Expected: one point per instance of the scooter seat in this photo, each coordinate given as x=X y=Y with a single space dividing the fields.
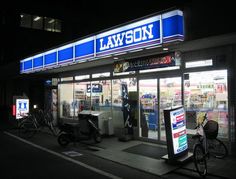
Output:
x=72 y=124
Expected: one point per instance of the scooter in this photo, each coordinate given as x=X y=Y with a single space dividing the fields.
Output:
x=75 y=132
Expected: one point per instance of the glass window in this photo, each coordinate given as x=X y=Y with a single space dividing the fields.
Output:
x=170 y=96
x=66 y=102
x=57 y=25
x=82 y=96
x=121 y=107
x=67 y=79
x=148 y=108
x=99 y=75
x=123 y=73
x=25 y=20
x=82 y=77
x=37 y=22
x=207 y=92
x=101 y=95
x=49 y=24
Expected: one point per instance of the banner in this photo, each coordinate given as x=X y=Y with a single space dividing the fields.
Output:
x=150 y=62
x=126 y=109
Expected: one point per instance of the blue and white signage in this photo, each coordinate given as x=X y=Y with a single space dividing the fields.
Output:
x=139 y=34
x=22 y=107
x=152 y=31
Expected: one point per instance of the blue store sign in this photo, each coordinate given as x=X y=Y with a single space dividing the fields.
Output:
x=152 y=31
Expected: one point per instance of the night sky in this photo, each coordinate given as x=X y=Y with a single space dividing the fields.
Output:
x=92 y=16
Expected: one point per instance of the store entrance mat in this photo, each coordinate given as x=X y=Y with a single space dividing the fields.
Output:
x=155 y=152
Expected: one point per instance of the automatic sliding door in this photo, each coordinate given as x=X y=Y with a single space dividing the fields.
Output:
x=170 y=96
x=148 y=108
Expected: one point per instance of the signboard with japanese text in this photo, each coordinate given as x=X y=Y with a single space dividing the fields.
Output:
x=178 y=127
x=176 y=135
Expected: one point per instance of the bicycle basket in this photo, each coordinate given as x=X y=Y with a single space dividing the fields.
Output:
x=211 y=129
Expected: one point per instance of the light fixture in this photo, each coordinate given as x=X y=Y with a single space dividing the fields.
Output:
x=51 y=21
x=21 y=15
x=137 y=50
x=156 y=46
x=115 y=58
x=165 y=49
x=122 y=53
x=37 y=18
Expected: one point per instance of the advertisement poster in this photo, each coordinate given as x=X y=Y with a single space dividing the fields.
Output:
x=22 y=108
x=178 y=127
x=166 y=60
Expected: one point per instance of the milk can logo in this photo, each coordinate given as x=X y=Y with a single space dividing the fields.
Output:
x=127 y=37
x=22 y=107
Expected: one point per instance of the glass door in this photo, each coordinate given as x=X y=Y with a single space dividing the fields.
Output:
x=154 y=96
x=170 y=96
x=148 y=108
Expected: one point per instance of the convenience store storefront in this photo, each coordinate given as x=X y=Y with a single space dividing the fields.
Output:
x=133 y=72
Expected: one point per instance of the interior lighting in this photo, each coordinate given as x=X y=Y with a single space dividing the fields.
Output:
x=37 y=18
x=51 y=21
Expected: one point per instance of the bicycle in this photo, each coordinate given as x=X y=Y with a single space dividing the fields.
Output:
x=36 y=121
x=28 y=126
x=207 y=144
x=49 y=122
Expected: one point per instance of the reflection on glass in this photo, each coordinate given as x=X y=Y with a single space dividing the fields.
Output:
x=49 y=24
x=148 y=108
x=82 y=97
x=206 y=92
x=37 y=22
x=66 y=100
x=25 y=20
x=170 y=96
x=101 y=95
x=57 y=25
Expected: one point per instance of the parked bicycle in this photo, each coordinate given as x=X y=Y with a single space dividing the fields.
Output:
x=207 y=144
x=35 y=121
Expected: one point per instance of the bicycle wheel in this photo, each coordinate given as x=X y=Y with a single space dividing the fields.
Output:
x=217 y=148
x=27 y=129
x=200 y=160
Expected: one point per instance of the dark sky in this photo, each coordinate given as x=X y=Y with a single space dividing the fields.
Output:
x=95 y=15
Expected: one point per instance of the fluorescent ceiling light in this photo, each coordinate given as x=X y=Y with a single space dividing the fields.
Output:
x=165 y=49
x=37 y=18
x=136 y=50
x=156 y=46
x=51 y=21
x=122 y=53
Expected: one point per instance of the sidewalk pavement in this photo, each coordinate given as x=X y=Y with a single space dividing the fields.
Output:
x=112 y=149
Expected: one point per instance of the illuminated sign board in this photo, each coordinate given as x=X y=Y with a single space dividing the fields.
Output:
x=143 y=63
x=22 y=107
x=152 y=31
x=176 y=135
x=178 y=128
x=143 y=33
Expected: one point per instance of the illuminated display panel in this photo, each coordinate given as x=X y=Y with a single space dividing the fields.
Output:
x=152 y=31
